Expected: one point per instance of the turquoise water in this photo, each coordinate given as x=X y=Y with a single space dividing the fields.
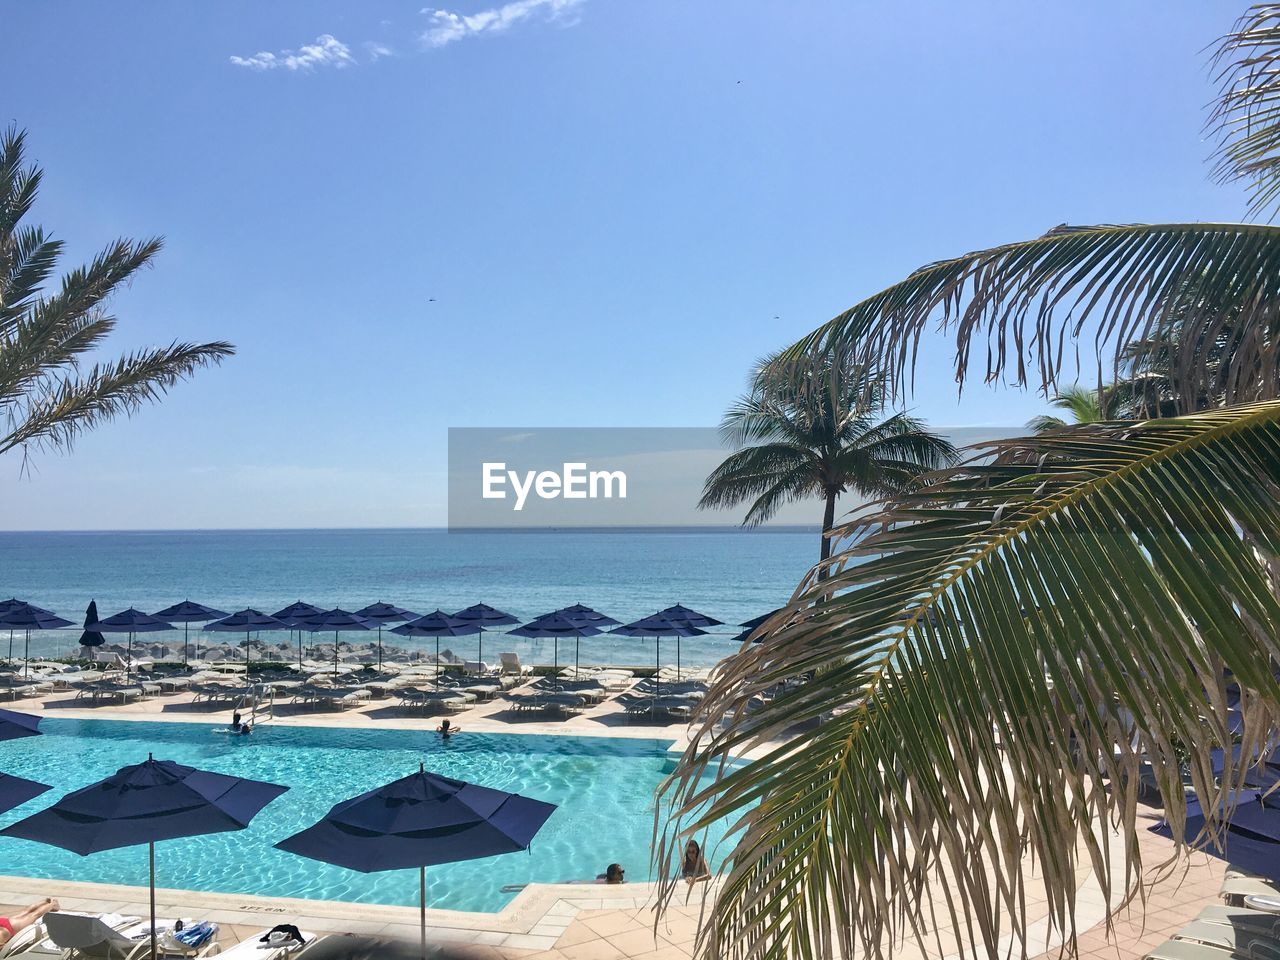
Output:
x=728 y=573
x=603 y=788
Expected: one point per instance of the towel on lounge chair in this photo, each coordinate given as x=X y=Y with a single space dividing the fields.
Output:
x=196 y=935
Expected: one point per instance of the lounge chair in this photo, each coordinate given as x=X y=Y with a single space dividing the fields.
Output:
x=1190 y=950
x=34 y=940
x=78 y=935
x=1237 y=939
x=1236 y=886
x=1267 y=923
x=255 y=947
x=511 y=665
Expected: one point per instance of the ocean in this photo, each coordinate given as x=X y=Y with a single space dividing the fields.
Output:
x=727 y=573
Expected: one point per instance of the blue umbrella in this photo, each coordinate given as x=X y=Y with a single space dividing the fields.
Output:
x=385 y=613
x=437 y=624
x=28 y=617
x=580 y=613
x=556 y=625
x=336 y=620
x=186 y=613
x=1251 y=840
x=749 y=626
x=486 y=618
x=690 y=618
x=293 y=615
x=91 y=638
x=658 y=626
x=14 y=791
x=14 y=725
x=131 y=621
x=247 y=620
x=419 y=821
x=146 y=803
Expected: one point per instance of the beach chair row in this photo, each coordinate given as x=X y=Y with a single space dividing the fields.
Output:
x=1246 y=926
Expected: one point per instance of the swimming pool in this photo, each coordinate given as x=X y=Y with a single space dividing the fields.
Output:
x=603 y=788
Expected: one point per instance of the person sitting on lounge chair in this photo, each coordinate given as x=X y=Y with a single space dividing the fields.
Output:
x=447 y=729
x=694 y=866
x=19 y=920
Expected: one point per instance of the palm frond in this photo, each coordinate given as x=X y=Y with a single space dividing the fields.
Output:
x=1022 y=305
x=979 y=679
x=78 y=403
x=1246 y=117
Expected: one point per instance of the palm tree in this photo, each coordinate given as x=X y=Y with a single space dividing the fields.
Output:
x=46 y=399
x=1084 y=406
x=1024 y=632
x=814 y=430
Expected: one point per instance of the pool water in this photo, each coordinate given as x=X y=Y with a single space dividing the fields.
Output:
x=603 y=788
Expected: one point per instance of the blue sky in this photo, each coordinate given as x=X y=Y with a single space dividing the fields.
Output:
x=615 y=207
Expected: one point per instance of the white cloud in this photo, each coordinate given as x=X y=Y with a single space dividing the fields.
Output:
x=327 y=51
x=445 y=26
x=376 y=51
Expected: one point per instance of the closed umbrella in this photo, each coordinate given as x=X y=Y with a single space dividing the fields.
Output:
x=337 y=620
x=186 y=613
x=131 y=621
x=385 y=613
x=91 y=638
x=28 y=617
x=556 y=625
x=417 y=822
x=486 y=618
x=146 y=803
x=437 y=624
x=293 y=615
x=248 y=620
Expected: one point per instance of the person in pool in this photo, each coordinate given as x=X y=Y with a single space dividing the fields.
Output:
x=613 y=874
x=237 y=727
x=18 y=921
x=447 y=729
x=694 y=866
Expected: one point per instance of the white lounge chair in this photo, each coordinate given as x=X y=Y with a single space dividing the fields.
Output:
x=511 y=664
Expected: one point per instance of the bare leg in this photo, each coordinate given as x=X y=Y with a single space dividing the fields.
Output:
x=28 y=916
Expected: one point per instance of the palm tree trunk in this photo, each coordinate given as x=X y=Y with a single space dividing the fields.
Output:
x=828 y=521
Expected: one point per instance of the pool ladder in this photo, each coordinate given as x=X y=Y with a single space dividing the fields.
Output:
x=254 y=699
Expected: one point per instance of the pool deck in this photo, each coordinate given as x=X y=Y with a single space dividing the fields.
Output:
x=568 y=921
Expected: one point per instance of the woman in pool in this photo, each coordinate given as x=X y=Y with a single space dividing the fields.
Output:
x=694 y=866
x=447 y=729
x=613 y=874
x=18 y=921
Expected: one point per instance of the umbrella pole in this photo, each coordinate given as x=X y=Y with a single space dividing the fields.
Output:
x=678 y=675
x=437 y=660
x=299 y=650
x=186 y=641
x=657 y=675
x=335 y=654
x=577 y=645
x=422 y=907
x=128 y=659
x=480 y=650
x=26 y=655
x=379 y=648
x=151 y=875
